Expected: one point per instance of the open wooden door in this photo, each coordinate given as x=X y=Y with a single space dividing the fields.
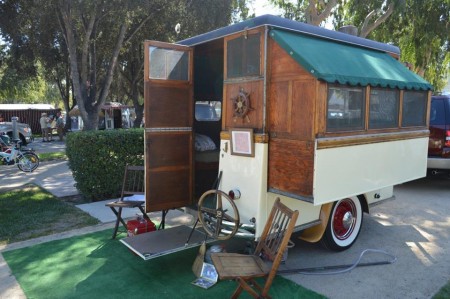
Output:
x=168 y=95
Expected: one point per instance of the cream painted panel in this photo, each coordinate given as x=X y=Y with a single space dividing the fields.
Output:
x=352 y=170
x=249 y=175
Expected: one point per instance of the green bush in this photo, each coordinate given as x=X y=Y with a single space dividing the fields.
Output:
x=98 y=158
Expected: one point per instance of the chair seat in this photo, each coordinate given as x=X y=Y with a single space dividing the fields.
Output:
x=272 y=245
x=232 y=265
x=125 y=204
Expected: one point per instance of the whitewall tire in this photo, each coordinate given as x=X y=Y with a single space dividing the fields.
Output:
x=344 y=224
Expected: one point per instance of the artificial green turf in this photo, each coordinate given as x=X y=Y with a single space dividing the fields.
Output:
x=95 y=266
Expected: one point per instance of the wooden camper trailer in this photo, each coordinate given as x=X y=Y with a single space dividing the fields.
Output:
x=326 y=121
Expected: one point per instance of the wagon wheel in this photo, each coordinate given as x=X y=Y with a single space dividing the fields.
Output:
x=241 y=104
x=214 y=219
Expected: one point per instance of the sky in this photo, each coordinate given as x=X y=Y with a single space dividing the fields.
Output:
x=262 y=7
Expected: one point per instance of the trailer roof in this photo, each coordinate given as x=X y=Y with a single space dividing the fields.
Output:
x=290 y=25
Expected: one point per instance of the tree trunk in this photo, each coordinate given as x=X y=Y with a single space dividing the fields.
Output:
x=92 y=123
x=313 y=16
x=368 y=27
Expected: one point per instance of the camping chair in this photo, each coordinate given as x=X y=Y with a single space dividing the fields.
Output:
x=271 y=247
x=133 y=184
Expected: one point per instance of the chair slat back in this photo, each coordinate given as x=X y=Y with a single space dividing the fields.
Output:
x=133 y=180
x=277 y=231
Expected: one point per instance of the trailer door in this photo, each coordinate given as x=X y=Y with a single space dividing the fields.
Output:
x=168 y=96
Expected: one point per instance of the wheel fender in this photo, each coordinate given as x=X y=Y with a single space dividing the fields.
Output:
x=315 y=233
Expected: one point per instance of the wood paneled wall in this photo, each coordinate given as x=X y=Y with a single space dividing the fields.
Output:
x=254 y=118
x=292 y=103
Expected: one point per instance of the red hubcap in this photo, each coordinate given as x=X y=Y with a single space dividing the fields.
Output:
x=344 y=219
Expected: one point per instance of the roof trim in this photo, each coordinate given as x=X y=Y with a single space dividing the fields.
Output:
x=286 y=24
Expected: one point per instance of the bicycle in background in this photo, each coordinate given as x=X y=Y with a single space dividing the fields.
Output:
x=26 y=160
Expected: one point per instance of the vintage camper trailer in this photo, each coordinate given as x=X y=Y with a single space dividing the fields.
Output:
x=267 y=108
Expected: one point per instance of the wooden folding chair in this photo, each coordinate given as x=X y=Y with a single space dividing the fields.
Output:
x=271 y=246
x=133 y=184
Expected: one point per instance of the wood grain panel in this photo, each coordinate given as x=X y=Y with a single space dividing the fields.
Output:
x=177 y=97
x=255 y=116
x=321 y=108
x=168 y=190
x=291 y=166
x=280 y=106
x=330 y=142
x=257 y=138
x=282 y=64
x=168 y=149
x=168 y=170
x=303 y=100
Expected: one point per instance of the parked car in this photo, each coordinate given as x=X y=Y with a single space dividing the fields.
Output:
x=439 y=142
x=25 y=132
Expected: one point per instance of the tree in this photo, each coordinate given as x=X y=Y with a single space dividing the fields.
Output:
x=313 y=12
x=193 y=17
x=367 y=15
x=80 y=41
x=420 y=28
x=33 y=39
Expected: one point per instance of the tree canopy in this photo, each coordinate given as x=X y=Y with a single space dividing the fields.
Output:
x=420 y=28
x=80 y=42
x=89 y=52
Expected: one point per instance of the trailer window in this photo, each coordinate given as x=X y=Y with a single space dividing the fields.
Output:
x=383 y=111
x=345 y=108
x=243 y=56
x=414 y=108
x=169 y=64
x=208 y=110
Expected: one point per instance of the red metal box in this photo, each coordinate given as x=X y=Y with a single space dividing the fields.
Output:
x=140 y=226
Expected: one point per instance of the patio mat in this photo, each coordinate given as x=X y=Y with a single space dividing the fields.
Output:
x=95 y=266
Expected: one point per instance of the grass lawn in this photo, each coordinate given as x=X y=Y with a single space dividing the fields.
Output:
x=32 y=212
x=444 y=292
x=52 y=156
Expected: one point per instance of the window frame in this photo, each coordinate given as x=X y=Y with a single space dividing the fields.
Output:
x=167 y=77
x=369 y=105
x=366 y=129
x=425 y=109
x=362 y=126
x=261 y=54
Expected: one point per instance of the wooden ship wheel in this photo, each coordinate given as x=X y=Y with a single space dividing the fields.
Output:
x=241 y=105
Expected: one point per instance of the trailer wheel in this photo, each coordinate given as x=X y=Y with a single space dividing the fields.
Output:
x=343 y=225
x=218 y=222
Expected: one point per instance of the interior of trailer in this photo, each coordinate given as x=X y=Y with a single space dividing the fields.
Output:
x=208 y=86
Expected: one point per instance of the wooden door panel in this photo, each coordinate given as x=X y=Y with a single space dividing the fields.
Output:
x=169 y=149
x=169 y=172
x=168 y=190
x=168 y=96
x=172 y=106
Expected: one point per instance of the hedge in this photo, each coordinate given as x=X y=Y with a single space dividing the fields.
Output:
x=98 y=158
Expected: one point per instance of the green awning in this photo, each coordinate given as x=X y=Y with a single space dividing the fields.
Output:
x=336 y=62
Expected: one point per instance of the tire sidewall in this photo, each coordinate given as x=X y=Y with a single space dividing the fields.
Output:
x=331 y=241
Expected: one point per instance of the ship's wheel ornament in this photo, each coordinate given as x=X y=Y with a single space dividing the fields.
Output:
x=241 y=105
